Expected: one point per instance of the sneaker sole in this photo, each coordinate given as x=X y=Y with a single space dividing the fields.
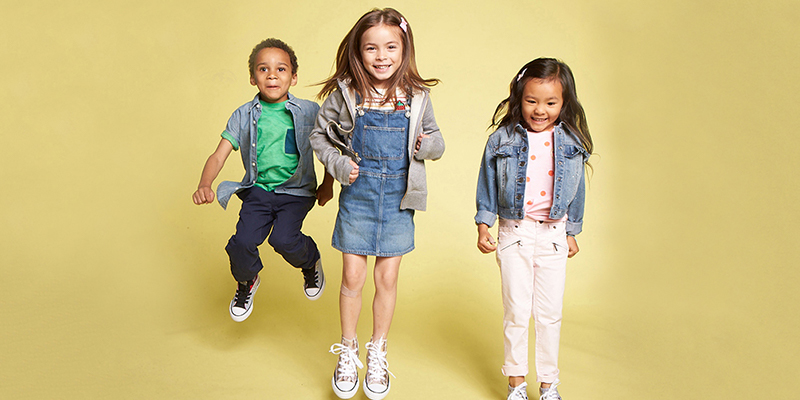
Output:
x=342 y=394
x=240 y=318
x=375 y=395
x=322 y=289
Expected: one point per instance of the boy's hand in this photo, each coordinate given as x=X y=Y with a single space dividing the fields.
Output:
x=572 y=245
x=353 y=172
x=325 y=190
x=214 y=164
x=419 y=142
x=203 y=195
x=486 y=243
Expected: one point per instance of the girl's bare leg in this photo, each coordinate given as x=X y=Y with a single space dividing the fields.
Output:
x=354 y=273
x=386 y=270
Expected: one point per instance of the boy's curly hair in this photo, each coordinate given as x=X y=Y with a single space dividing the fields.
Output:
x=271 y=43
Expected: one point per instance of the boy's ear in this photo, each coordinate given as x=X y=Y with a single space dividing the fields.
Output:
x=294 y=80
x=253 y=81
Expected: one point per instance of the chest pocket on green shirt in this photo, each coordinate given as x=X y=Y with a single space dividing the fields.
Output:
x=290 y=147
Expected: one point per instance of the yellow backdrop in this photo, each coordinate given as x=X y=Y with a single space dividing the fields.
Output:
x=114 y=285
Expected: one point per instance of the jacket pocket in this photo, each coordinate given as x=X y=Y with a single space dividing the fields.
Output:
x=571 y=151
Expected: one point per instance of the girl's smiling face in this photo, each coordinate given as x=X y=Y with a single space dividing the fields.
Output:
x=381 y=53
x=541 y=103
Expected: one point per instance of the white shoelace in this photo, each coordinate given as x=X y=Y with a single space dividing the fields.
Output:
x=348 y=361
x=377 y=366
x=551 y=393
x=519 y=392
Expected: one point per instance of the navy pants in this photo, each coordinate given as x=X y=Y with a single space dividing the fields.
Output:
x=279 y=216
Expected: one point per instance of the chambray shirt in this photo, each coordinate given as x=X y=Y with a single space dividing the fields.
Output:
x=501 y=181
x=243 y=126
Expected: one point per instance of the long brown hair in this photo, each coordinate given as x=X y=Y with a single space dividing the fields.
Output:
x=349 y=65
x=509 y=111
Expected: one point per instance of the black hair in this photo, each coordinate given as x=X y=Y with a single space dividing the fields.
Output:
x=271 y=43
x=509 y=111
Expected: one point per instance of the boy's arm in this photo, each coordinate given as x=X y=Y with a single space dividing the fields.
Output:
x=204 y=194
x=325 y=189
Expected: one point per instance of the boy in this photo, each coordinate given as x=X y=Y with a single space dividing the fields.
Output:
x=279 y=184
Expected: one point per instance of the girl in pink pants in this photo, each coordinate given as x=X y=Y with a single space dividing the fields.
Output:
x=532 y=177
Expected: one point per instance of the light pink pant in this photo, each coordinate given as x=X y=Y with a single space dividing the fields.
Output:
x=533 y=266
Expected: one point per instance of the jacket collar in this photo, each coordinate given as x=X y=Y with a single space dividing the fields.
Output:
x=256 y=101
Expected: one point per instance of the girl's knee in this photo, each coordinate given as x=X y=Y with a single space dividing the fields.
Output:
x=353 y=278
x=385 y=280
x=549 y=318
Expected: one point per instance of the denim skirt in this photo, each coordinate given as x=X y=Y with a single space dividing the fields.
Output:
x=370 y=221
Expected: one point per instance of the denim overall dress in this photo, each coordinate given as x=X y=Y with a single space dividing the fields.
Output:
x=370 y=221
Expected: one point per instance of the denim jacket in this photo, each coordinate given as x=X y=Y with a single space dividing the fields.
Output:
x=332 y=141
x=243 y=125
x=501 y=182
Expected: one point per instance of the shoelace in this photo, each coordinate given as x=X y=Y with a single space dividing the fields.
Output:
x=311 y=278
x=519 y=392
x=243 y=294
x=377 y=366
x=347 y=357
x=551 y=393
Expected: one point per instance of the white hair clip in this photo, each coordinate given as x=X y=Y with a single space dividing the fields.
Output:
x=521 y=74
x=403 y=25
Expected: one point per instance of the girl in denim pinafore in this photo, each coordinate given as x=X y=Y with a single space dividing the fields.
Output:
x=370 y=221
x=375 y=145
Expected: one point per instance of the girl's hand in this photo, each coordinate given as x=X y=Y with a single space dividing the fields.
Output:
x=573 y=246
x=486 y=243
x=203 y=195
x=419 y=142
x=353 y=172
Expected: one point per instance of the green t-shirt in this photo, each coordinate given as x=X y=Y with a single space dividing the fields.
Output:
x=276 y=146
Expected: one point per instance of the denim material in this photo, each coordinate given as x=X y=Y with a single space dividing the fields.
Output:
x=243 y=127
x=501 y=181
x=370 y=219
x=332 y=140
x=279 y=216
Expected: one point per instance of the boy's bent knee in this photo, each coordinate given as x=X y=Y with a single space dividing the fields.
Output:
x=285 y=243
x=236 y=245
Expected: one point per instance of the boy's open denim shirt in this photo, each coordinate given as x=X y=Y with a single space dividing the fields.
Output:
x=243 y=127
x=501 y=181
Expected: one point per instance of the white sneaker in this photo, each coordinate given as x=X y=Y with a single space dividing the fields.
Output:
x=345 y=376
x=518 y=393
x=376 y=381
x=550 y=393
x=242 y=303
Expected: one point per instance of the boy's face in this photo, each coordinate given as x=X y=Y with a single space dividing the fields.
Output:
x=273 y=75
